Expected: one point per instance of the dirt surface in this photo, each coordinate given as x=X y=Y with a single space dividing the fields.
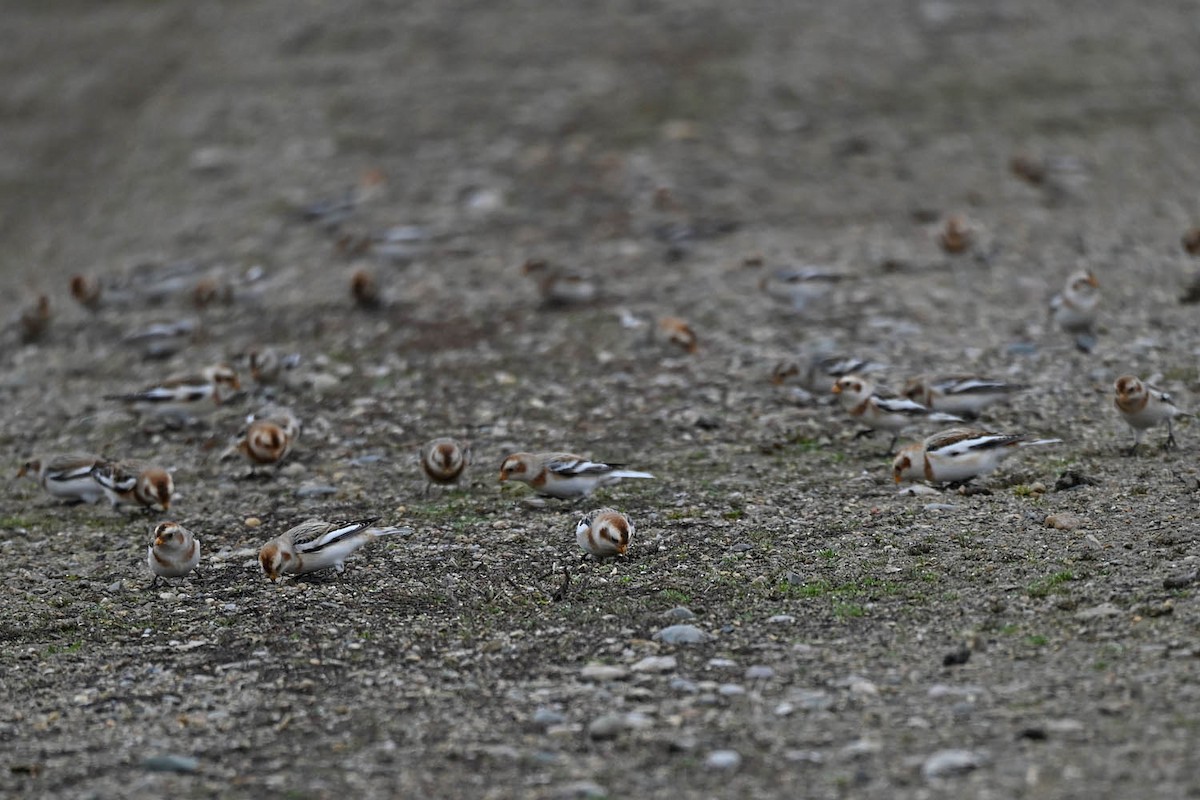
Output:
x=677 y=154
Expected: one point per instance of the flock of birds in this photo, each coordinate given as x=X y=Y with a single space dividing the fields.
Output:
x=953 y=457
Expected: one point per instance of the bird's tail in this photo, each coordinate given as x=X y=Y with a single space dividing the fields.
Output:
x=628 y=473
x=1033 y=442
x=938 y=416
x=388 y=531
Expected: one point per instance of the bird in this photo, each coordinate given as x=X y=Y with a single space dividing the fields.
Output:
x=316 y=544
x=173 y=553
x=268 y=438
x=604 y=532
x=184 y=395
x=134 y=483
x=444 y=460
x=561 y=287
x=962 y=395
x=797 y=287
x=67 y=475
x=676 y=331
x=1143 y=407
x=882 y=411
x=1074 y=308
x=957 y=455
x=813 y=372
x=563 y=475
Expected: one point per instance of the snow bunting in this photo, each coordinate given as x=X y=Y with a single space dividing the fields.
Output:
x=677 y=332
x=444 y=460
x=963 y=395
x=184 y=395
x=364 y=291
x=1074 y=309
x=34 y=319
x=956 y=234
x=269 y=437
x=816 y=373
x=134 y=483
x=316 y=544
x=881 y=411
x=959 y=454
x=1143 y=407
x=173 y=553
x=563 y=475
x=560 y=287
x=266 y=364
x=799 y=286
x=68 y=475
x=604 y=532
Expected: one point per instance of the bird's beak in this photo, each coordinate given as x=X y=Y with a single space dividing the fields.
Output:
x=1091 y=279
x=503 y=476
x=837 y=388
x=22 y=472
x=166 y=504
x=896 y=476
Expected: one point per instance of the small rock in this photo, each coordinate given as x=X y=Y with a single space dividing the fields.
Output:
x=546 y=717
x=252 y=522
x=292 y=470
x=655 y=664
x=170 y=763
x=759 y=673
x=679 y=612
x=781 y=619
x=945 y=763
x=941 y=507
x=1096 y=612
x=682 y=634
x=918 y=490
x=721 y=663
x=1062 y=522
x=723 y=759
x=310 y=490
x=1071 y=479
x=784 y=709
x=684 y=685
x=1022 y=349
x=1182 y=580
x=741 y=547
x=956 y=657
x=602 y=672
x=582 y=789
x=731 y=690
x=607 y=726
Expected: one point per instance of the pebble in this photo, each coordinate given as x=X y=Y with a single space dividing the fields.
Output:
x=721 y=663
x=941 y=507
x=546 y=717
x=759 y=673
x=682 y=634
x=603 y=672
x=679 y=612
x=1181 y=580
x=310 y=490
x=1096 y=612
x=741 y=547
x=781 y=619
x=655 y=664
x=731 y=690
x=945 y=763
x=170 y=763
x=1062 y=522
x=252 y=522
x=607 y=726
x=723 y=759
x=684 y=685
x=582 y=789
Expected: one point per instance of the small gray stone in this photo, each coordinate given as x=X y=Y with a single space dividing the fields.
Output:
x=607 y=726
x=684 y=685
x=655 y=664
x=682 y=634
x=731 y=690
x=545 y=717
x=1096 y=612
x=781 y=619
x=170 y=763
x=581 y=789
x=311 y=490
x=721 y=663
x=723 y=759
x=945 y=763
x=741 y=547
x=679 y=612
x=759 y=672
x=603 y=672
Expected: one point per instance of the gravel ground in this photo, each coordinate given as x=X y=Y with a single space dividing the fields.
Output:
x=1036 y=641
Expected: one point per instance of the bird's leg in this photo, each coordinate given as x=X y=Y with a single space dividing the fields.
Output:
x=864 y=433
x=154 y=583
x=561 y=592
x=1170 y=436
x=891 y=449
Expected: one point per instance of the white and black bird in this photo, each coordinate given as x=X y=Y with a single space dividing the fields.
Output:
x=316 y=544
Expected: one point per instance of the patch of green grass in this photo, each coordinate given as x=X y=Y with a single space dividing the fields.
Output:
x=828 y=554
x=1009 y=629
x=805 y=445
x=1049 y=584
x=848 y=610
x=733 y=514
x=55 y=649
x=1036 y=640
x=675 y=596
x=15 y=522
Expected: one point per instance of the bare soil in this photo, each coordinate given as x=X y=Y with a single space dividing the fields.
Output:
x=677 y=153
